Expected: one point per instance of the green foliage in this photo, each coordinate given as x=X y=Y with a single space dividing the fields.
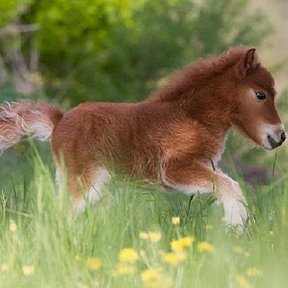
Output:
x=72 y=29
x=117 y=50
x=11 y=9
x=73 y=32
x=224 y=23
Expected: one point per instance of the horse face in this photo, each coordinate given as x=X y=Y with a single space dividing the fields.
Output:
x=255 y=112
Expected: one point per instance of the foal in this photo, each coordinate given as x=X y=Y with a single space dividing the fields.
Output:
x=176 y=137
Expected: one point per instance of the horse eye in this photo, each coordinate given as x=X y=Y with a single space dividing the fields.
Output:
x=260 y=95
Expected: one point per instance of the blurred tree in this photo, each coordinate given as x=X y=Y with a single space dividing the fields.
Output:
x=73 y=32
x=18 y=52
x=73 y=29
x=164 y=36
x=11 y=9
x=221 y=24
x=117 y=50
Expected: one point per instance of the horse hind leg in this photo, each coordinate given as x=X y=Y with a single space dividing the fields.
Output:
x=98 y=179
x=84 y=189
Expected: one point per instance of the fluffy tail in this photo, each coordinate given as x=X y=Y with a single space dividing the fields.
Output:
x=24 y=119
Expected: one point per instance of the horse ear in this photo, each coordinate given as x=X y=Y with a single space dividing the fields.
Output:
x=250 y=62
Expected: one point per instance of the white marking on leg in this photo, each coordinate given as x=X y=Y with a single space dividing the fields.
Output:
x=184 y=188
x=230 y=194
x=187 y=188
x=96 y=190
x=227 y=191
x=58 y=177
x=79 y=205
x=234 y=211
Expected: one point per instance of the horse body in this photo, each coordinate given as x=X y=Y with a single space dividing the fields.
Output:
x=175 y=137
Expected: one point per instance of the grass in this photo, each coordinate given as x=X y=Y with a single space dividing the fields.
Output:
x=40 y=247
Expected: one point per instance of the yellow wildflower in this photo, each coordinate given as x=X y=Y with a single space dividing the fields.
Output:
x=181 y=243
x=128 y=255
x=124 y=269
x=209 y=227
x=4 y=267
x=151 y=236
x=142 y=253
x=12 y=226
x=154 y=237
x=153 y=278
x=175 y=220
x=94 y=263
x=205 y=247
x=143 y=235
x=81 y=285
x=237 y=249
x=254 y=271
x=28 y=270
x=174 y=258
x=242 y=282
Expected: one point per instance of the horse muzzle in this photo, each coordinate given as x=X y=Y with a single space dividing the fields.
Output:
x=275 y=139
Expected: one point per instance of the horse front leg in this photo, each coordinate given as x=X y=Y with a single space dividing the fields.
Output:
x=198 y=178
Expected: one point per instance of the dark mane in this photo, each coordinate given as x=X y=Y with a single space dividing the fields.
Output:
x=198 y=74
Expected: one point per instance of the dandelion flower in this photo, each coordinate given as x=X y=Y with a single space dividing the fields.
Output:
x=128 y=255
x=151 y=275
x=28 y=270
x=12 y=226
x=254 y=272
x=237 y=249
x=151 y=236
x=4 y=267
x=153 y=278
x=142 y=253
x=124 y=269
x=174 y=258
x=94 y=263
x=209 y=227
x=143 y=235
x=242 y=282
x=205 y=247
x=175 y=220
x=154 y=237
x=181 y=243
x=81 y=285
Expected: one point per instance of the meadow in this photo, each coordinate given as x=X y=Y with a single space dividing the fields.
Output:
x=135 y=236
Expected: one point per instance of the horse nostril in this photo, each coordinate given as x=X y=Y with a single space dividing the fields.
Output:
x=283 y=137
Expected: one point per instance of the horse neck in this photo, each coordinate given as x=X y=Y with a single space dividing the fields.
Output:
x=209 y=106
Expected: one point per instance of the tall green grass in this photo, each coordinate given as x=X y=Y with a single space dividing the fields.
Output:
x=41 y=246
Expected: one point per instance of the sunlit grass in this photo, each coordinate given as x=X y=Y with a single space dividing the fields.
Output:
x=138 y=238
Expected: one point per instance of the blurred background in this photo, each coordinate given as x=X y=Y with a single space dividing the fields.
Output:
x=71 y=51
